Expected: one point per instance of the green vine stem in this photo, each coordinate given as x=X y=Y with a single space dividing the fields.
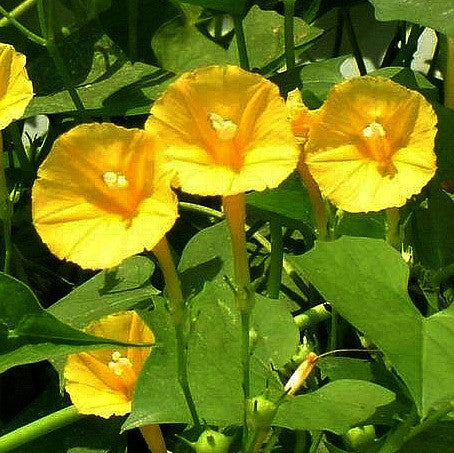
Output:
x=276 y=259
x=289 y=11
x=179 y=317
x=287 y=267
x=241 y=42
x=24 y=30
x=39 y=428
x=312 y=316
x=449 y=74
x=46 y=21
x=353 y=41
x=235 y=213
x=17 y=11
x=5 y=215
x=392 y=228
x=133 y=14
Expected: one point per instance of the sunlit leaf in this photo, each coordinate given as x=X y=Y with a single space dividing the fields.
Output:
x=369 y=289
x=436 y=14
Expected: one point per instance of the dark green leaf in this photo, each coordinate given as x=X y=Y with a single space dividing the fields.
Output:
x=229 y=6
x=214 y=342
x=411 y=79
x=369 y=289
x=317 y=79
x=289 y=203
x=33 y=333
x=179 y=45
x=436 y=14
x=109 y=291
x=336 y=407
x=431 y=226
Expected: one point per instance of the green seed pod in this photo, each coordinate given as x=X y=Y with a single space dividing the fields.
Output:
x=260 y=412
x=211 y=441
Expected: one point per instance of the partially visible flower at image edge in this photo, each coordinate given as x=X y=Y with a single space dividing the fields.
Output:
x=102 y=382
x=301 y=118
x=102 y=195
x=372 y=146
x=16 y=89
x=226 y=131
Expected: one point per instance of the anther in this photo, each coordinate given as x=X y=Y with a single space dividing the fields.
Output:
x=115 y=179
x=374 y=129
x=226 y=129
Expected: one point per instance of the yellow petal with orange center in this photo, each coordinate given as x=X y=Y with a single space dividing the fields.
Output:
x=226 y=131
x=102 y=382
x=103 y=195
x=16 y=89
x=372 y=146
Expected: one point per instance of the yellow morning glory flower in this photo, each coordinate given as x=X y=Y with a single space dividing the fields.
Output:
x=102 y=195
x=102 y=382
x=372 y=146
x=226 y=131
x=16 y=89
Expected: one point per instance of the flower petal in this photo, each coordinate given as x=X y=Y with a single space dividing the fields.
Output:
x=16 y=89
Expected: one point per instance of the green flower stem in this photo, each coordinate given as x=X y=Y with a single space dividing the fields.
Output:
x=179 y=317
x=353 y=41
x=288 y=268
x=312 y=317
x=392 y=228
x=277 y=255
x=241 y=42
x=24 y=30
x=317 y=202
x=218 y=25
x=5 y=215
x=289 y=11
x=17 y=11
x=133 y=13
x=316 y=439
x=334 y=330
x=154 y=438
x=46 y=20
x=39 y=428
x=235 y=213
x=395 y=439
x=201 y=209
x=339 y=34
x=15 y=135
x=431 y=420
x=449 y=74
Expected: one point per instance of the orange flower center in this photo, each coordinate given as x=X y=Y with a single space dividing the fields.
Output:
x=120 y=195
x=122 y=368
x=375 y=145
x=225 y=149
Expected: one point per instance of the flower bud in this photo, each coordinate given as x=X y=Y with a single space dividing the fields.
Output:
x=260 y=412
x=211 y=441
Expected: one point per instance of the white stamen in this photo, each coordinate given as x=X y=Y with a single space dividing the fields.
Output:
x=373 y=130
x=119 y=364
x=226 y=129
x=115 y=179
